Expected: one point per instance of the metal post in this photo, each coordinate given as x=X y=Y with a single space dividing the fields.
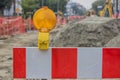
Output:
x=14 y=8
x=114 y=4
x=117 y=10
x=42 y=2
x=58 y=6
x=49 y=3
x=39 y=3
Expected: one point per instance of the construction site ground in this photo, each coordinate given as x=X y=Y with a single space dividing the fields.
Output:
x=90 y=32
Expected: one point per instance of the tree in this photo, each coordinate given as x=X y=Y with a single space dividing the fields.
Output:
x=63 y=5
x=77 y=8
x=32 y=5
x=53 y=4
x=96 y=4
x=5 y=4
x=29 y=5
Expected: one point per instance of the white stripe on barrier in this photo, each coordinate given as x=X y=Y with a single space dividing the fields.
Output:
x=90 y=63
x=38 y=63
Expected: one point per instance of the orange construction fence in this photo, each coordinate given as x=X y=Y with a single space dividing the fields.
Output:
x=118 y=16
x=11 y=26
x=75 y=17
x=29 y=24
x=61 y=20
x=14 y=25
x=64 y=20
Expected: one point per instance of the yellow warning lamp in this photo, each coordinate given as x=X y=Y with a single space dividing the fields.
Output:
x=44 y=20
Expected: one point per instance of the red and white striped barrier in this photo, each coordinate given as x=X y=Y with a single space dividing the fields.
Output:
x=68 y=63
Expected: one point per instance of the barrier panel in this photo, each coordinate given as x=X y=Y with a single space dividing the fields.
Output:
x=66 y=63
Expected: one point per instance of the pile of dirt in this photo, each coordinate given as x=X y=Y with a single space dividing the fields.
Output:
x=90 y=32
x=115 y=42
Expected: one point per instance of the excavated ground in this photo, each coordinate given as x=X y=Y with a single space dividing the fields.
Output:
x=90 y=32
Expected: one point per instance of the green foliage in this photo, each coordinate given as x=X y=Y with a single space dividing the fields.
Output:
x=31 y=5
x=53 y=4
x=63 y=5
x=5 y=4
x=78 y=9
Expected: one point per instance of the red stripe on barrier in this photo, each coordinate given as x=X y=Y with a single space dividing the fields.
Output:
x=64 y=63
x=19 y=63
x=111 y=63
